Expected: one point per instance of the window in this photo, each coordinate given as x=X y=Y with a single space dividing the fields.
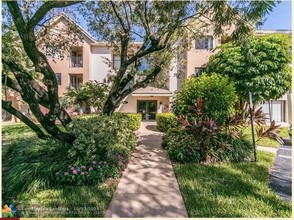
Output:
x=76 y=59
x=204 y=43
x=58 y=78
x=116 y=62
x=198 y=71
x=53 y=52
x=75 y=80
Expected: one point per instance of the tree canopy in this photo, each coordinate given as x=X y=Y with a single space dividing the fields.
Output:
x=160 y=26
x=163 y=29
x=260 y=65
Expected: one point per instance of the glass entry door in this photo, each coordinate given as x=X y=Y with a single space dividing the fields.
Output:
x=147 y=108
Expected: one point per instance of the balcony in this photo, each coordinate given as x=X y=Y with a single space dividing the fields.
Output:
x=76 y=61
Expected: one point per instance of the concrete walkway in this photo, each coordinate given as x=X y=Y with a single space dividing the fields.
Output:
x=280 y=178
x=281 y=173
x=148 y=187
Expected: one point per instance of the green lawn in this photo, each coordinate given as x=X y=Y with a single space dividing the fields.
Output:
x=230 y=190
x=27 y=168
x=267 y=142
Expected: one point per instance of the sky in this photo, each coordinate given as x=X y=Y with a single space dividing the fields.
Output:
x=280 y=17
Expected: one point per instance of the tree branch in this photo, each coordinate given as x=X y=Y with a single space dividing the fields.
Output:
x=143 y=83
x=118 y=17
x=41 y=94
x=8 y=107
x=11 y=83
x=45 y=8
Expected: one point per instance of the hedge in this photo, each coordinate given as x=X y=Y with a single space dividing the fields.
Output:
x=166 y=121
x=134 y=119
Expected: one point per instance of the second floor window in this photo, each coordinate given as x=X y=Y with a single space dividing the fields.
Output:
x=58 y=78
x=76 y=59
x=204 y=43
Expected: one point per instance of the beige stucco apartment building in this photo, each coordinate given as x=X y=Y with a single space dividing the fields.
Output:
x=86 y=61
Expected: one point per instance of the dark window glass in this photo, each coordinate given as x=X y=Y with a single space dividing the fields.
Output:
x=204 y=43
x=58 y=78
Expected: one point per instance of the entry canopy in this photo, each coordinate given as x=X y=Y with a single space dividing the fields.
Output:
x=151 y=91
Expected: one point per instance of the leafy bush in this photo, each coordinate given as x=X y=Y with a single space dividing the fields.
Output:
x=99 y=135
x=166 y=121
x=90 y=94
x=134 y=119
x=200 y=139
x=216 y=92
x=181 y=146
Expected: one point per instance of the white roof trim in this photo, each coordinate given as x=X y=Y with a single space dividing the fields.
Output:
x=151 y=95
x=63 y=15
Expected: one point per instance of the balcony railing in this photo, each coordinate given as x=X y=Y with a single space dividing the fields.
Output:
x=76 y=62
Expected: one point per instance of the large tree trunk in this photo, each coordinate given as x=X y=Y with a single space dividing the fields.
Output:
x=31 y=93
x=109 y=107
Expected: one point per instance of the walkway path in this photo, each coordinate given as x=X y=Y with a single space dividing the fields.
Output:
x=281 y=174
x=148 y=187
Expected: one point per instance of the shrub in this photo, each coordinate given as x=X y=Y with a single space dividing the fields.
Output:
x=166 y=121
x=181 y=146
x=202 y=140
x=134 y=119
x=216 y=92
x=98 y=135
x=240 y=149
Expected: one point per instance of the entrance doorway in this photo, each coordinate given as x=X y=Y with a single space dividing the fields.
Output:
x=147 y=108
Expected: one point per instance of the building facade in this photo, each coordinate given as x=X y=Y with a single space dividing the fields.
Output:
x=87 y=61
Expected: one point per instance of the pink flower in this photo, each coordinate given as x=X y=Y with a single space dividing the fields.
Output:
x=90 y=168
x=72 y=168
x=83 y=167
x=120 y=163
x=75 y=172
x=93 y=162
x=82 y=173
x=65 y=173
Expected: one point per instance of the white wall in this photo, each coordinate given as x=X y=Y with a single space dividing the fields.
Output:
x=98 y=68
x=131 y=106
x=173 y=80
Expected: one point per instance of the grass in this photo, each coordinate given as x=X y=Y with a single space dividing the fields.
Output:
x=28 y=167
x=230 y=190
x=267 y=142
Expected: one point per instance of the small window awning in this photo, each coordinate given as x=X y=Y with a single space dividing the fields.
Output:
x=151 y=91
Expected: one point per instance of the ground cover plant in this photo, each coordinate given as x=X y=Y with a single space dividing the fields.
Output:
x=46 y=170
x=230 y=189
